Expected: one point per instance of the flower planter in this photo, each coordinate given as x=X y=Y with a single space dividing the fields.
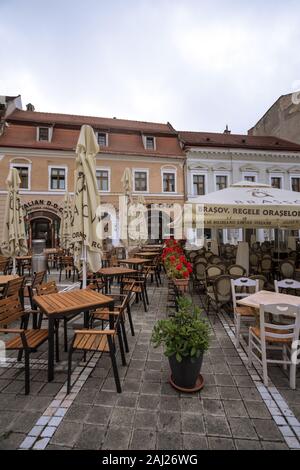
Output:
x=181 y=284
x=186 y=372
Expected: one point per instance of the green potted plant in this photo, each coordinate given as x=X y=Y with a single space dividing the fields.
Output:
x=185 y=338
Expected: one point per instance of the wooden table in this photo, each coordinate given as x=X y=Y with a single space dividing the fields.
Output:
x=62 y=304
x=265 y=297
x=134 y=261
x=4 y=279
x=114 y=272
x=147 y=254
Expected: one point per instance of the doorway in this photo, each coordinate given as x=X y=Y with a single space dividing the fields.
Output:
x=41 y=229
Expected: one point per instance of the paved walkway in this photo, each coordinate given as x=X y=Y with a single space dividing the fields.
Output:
x=233 y=411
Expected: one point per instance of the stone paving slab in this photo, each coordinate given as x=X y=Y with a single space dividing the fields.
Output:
x=229 y=413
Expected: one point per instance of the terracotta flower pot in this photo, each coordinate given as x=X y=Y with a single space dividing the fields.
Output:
x=182 y=284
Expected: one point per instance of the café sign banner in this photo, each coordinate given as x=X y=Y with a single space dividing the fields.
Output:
x=249 y=205
x=42 y=204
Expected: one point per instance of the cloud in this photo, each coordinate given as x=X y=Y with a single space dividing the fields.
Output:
x=194 y=63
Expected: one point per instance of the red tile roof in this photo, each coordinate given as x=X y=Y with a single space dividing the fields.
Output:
x=97 y=122
x=211 y=139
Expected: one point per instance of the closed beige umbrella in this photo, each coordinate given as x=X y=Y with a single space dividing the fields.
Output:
x=65 y=224
x=14 y=241
x=86 y=242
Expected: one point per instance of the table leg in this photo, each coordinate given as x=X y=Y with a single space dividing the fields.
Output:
x=50 y=348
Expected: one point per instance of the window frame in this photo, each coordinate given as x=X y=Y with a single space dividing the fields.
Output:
x=50 y=133
x=277 y=175
x=102 y=168
x=140 y=170
x=222 y=173
x=170 y=171
x=24 y=165
x=57 y=167
x=106 y=138
x=145 y=137
x=251 y=174
x=295 y=176
x=198 y=173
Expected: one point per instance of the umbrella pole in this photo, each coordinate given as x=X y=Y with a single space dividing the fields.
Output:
x=84 y=255
x=14 y=271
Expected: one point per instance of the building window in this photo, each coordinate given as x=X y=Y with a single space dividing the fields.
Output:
x=102 y=139
x=43 y=134
x=169 y=182
x=276 y=182
x=251 y=179
x=296 y=184
x=221 y=182
x=102 y=177
x=58 y=178
x=140 y=181
x=24 y=176
x=198 y=185
x=149 y=143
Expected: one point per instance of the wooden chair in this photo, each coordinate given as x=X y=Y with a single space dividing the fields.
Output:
x=287 y=269
x=121 y=305
x=15 y=288
x=220 y=295
x=24 y=340
x=4 y=265
x=67 y=264
x=269 y=336
x=242 y=288
x=36 y=281
x=138 y=285
x=103 y=341
x=236 y=271
x=51 y=288
x=266 y=266
x=154 y=270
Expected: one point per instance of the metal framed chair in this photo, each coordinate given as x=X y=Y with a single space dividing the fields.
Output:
x=21 y=339
x=220 y=295
x=269 y=336
x=236 y=271
x=103 y=341
x=287 y=269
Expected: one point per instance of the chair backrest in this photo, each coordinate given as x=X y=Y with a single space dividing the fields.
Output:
x=253 y=259
x=4 y=264
x=262 y=280
x=280 y=331
x=47 y=288
x=200 y=259
x=14 y=287
x=236 y=270
x=287 y=269
x=222 y=288
x=215 y=259
x=67 y=261
x=293 y=255
x=38 y=278
x=222 y=265
x=213 y=271
x=243 y=287
x=10 y=311
x=199 y=270
x=286 y=284
x=266 y=263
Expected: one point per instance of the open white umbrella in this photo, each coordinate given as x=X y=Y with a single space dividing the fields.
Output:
x=86 y=242
x=65 y=224
x=14 y=242
x=250 y=205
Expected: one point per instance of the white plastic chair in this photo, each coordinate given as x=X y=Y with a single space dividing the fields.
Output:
x=269 y=335
x=240 y=289
x=286 y=284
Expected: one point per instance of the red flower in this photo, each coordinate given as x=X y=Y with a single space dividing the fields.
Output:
x=186 y=274
x=172 y=259
x=179 y=267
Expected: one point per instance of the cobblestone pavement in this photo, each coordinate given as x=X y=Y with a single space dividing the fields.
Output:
x=233 y=411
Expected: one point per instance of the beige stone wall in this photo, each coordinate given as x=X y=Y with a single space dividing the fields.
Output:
x=282 y=120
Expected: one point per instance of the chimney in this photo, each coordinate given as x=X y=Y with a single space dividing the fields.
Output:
x=30 y=107
x=227 y=131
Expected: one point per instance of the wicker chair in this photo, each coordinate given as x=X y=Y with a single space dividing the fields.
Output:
x=220 y=296
x=236 y=271
x=287 y=269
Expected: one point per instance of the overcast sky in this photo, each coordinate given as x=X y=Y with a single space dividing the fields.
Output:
x=198 y=64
